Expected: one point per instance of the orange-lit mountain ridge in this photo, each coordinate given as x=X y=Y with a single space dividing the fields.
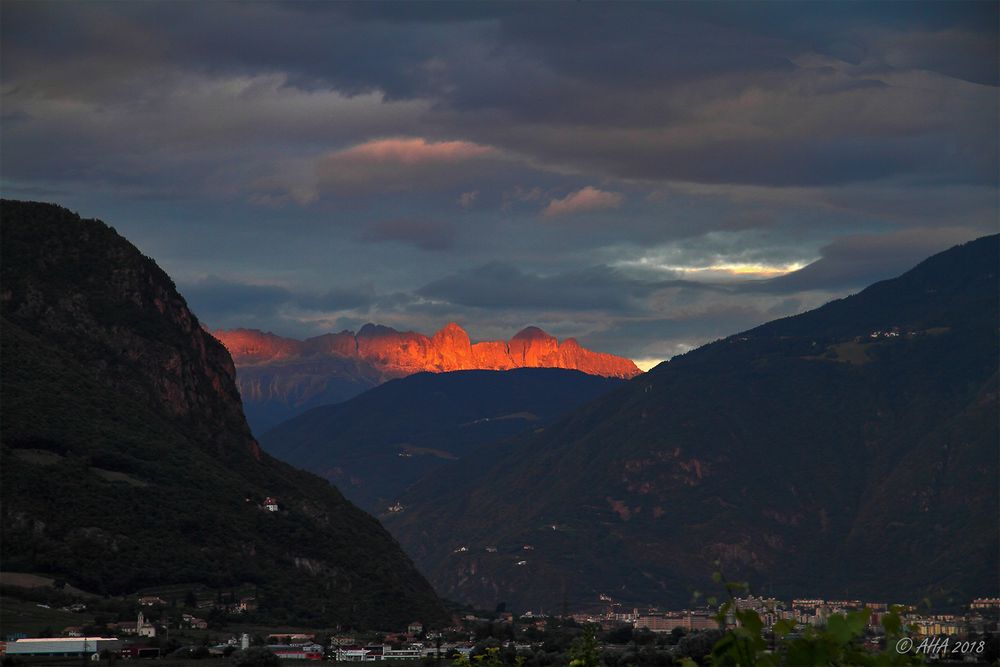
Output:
x=281 y=377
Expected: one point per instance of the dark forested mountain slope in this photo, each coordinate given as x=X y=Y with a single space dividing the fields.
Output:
x=376 y=445
x=126 y=459
x=849 y=451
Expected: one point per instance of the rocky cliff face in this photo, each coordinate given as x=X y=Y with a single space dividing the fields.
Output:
x=396 y=353
x=125 y=458
x=83 y=287
x=282 y=377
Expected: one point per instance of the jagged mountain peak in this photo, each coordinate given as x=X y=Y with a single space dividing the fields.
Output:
x=334 y=367
x=532 y=333
x=371 y=330
x=453 y=327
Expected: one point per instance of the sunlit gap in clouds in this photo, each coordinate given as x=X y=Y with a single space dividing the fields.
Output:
x=737 y=270
x=718 y=271
x=647 y=363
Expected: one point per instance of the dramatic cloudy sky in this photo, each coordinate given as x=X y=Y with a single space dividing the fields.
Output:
x=645 y=177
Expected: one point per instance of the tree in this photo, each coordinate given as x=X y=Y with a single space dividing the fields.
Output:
x=697 y=645
x=584 y=652
x=620 y=635
x=489 y=658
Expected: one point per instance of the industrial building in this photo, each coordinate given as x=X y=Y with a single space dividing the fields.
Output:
x=63 y=646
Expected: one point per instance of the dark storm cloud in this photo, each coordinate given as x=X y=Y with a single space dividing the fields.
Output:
x=338 y=299
x=560 y=163
x=635 y=91
x=771 y=105
x=221 y=302
x=691 y=41
x=423 y=234
x=500 y=285
x=222 y=298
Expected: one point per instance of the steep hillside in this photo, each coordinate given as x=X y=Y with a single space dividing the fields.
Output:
x=376 y=445
x=851 y=451
x=283 y=377
x=126 y=459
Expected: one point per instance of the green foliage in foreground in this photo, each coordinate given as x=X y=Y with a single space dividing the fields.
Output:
x=491 y=658
x=584 y=651
x=840 y=643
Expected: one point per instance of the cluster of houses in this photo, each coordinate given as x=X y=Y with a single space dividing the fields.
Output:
x=143 y=627
x=415 y=651
x=892 y=333
x=982 y=616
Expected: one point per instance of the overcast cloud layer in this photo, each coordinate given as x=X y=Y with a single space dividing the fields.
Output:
x=644 y=177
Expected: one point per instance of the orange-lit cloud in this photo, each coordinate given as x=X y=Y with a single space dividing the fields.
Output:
x=586 y=199
x=401 y=164
x=413 y=151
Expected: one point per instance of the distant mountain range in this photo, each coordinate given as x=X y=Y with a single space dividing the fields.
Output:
x=848 y=452
x=125 y=458
x=374 y=446
x=280 y=378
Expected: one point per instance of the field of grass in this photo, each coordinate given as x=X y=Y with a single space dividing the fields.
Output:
x=113 y=476
x=27 y=617
x=27 y=580
x=38 y=456
x=851 y=352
